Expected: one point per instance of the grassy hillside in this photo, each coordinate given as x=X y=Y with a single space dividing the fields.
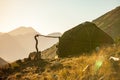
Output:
x=96 y=66
x=110 y=22
x=50 y=53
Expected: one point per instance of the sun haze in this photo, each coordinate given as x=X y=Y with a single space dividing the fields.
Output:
x=47 y=16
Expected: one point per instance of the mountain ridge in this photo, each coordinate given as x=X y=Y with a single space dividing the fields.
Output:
x=20 y=44
x=22 y=30
x=110 y=22
x=10 y=48
x=2 y=62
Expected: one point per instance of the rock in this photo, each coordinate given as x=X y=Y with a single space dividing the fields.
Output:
x=82 y=39
x=114 y=58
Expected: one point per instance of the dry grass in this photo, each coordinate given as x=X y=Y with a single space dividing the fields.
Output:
x=89 y=67
x=96 y=66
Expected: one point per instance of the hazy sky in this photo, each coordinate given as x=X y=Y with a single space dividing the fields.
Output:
x=47 y=16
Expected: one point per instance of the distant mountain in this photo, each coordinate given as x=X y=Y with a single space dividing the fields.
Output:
x=25 y=37
x=110 y=22
x=22 y=31
x=2 y=62
x=10 y=49
x=20 y=42
x=55 y=34
x=1 y=33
